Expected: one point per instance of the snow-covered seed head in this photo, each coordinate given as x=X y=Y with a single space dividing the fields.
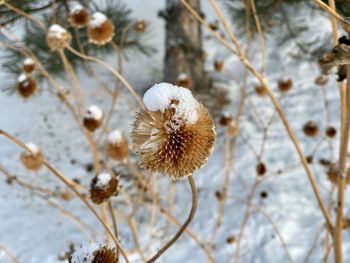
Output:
x=26 y=85
x=58 y=38
x=333 y=174
x=93 y=118
x=103 y=187
x=310 y=129
x=285 y=85
x=78 y=16
x=94 y=254
x=140 y=25
x=28 y=65
x=184 y=80
x=117 y=146
x=32 y=160
x=218 y=64
x=175 y=134
x=100 y=29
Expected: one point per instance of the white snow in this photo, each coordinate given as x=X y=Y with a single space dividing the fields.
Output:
x=33 y=147
x=57 y=31
x=182 y=76
x=159 y=97
x=22 y=78
x=103 y=180
x=94 y=112
x=115 y=136
x=85 y=254
x=28 y=62
x=76 y=8
x=97 y=19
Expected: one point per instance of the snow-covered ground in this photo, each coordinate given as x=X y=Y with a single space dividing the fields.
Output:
x=37 y=232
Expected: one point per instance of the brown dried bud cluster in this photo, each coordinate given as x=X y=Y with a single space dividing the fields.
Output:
x=103 y=187
x=285 y=85
x=26 y=85
x=100 y=29
x=310 y=129
x=175 y=134
x=57 y=37
x=140 y=25
x=93 y=118
x=79 y=16
x=183 y=80
x=95 y=254
x=32 y=160
x=117 y=146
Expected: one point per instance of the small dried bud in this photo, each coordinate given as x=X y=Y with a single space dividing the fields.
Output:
x=333 y=174
x=100 y=30
x=263 y=194
x=331 y=132
x=94 y=254
x=32 y=160
x=175 y=134
x=219 y=195
x=260 y=169
x=309 y=159
x=183 y=80
x=28 y=65
x=103 y=187
x=225 y=119
x=79 y=16
x=260 y=90
x=218 y=64
x=93 y=118
x=231 y=239
x=140 y=25
x=26 y=85
x=321 y=80
x=214 y=25
x=285 y=85
x=324 y=162
x=117 y=146
x=58 y=38
x=310 y=129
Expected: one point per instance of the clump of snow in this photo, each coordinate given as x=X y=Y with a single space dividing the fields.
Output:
x=33 y=147
x=76 y=8
x=57 y=31
x=103 y=180
x=28 y=62
x=94 y=112
x=162 y=96
x=85 y=254
x=182 y=77
x=97 y=19
x=115 y=137
x=22 y=78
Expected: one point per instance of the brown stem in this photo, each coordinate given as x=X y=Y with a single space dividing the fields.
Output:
x=185 y=224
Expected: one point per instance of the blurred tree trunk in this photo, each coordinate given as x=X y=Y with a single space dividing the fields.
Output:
x=184 y=53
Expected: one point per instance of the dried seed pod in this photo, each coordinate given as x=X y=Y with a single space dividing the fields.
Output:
x=117 y=146
x=32 y=160
x=231 y=239
x=214 y=25
x=260 y=169
x=26 y=85
x=264 y=194
x=103 y=187
x=79 y=16
x=309 y=159
x=100 y=29
x=183 y=80
x=331 y=132
x=310 y=129
x=140 y=25
x=321 y=80
x=332 y=174
x=93 y=118
x=28 y=65
x=94 y=254
x=324 y=162
x=218 y=64
x=285 y=85
x=219 y=195
x=174 y=134
x=57 y=37
x=260 y=90
x=225 y=119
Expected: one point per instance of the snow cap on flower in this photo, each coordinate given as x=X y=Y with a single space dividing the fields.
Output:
x=184 y=80
x=101 y=29
x=26 y=85
x=175 y=134
x=28 y=65
x=117 y=145
x=32 y=160
x=94 y=254
x=58 y=37
x=103 y=187
x=93 y=118
x=78 y=16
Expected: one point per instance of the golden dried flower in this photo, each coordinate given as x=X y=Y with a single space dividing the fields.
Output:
x=32 y=160
x=100 y=29
x=183 y=80
x=58 y=38
x=285 y=85
x=26 y=85
x=310 y=129
x=103 y=187
x=117 y=146
x=94 y=254
x=93 y=118
x=28 y=65
x=79 y=16
x=175 y=134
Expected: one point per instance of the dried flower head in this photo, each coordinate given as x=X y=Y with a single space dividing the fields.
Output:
x=79 y=16
x=28 y=65
x=175 y=134
x=32 y=160
x=93 y=118
x=140 y=25
x=26 y=85
x=57 y=37
x=310 y=129
x=94 y=254
x=218 y=64
x=260 y=90
x=331 y=132
x=285 y=85
x=333 y=174
x=184 y=80
x=100 y=29
x=103 y=186
x=260 y=169
x=117 y=146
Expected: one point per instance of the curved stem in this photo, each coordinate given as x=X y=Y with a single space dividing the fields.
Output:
x=185 y=224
